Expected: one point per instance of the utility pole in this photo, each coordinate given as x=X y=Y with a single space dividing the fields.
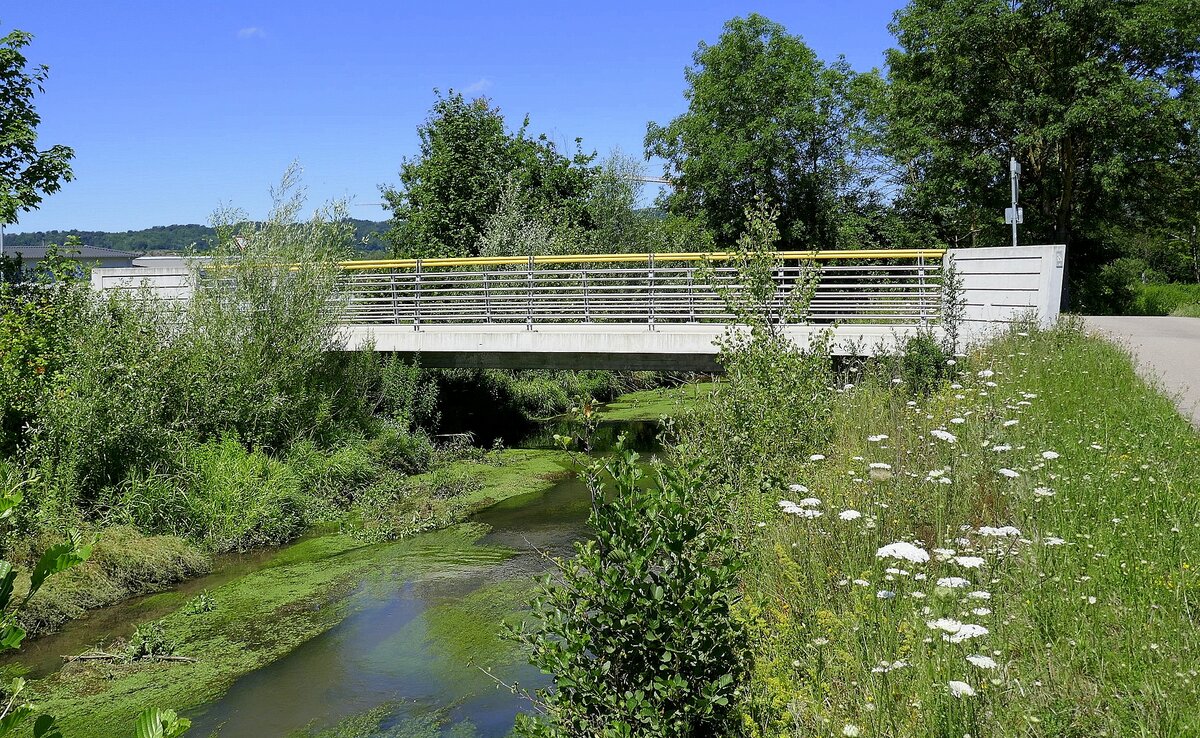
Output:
x=1014 y=215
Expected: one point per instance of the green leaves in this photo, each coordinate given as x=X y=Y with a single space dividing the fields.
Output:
x=639 y=631
x=56 y=560
x=26 y=174
x=158 y=723
x=765 y=118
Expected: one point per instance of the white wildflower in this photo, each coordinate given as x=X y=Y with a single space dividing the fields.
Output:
x=950 y=625
x=851 y=731
x=885 y=594
x=983 y=662
x=798 y=488
x=958 y=421
x=961 y=689
x=953 y=582
x=904 y=551
x=1010 y=423
x=967 y=631
x=970 y=562
x=817 y=457
x=849 y=515
x=1004 y=531
x=879 y=465
x=1053 y=541
x=979 y=595
x=809 y=502
x=1009 y=473
x=1043 y=492
x=878 y=438
x=1050 y=455
x=986 y=373
x=943 y=435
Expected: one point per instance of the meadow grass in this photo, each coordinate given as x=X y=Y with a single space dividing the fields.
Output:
x=1166 y=299
x=1046 y=583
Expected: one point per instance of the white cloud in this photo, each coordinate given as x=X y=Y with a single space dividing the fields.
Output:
x=250 y=32
x=478 y=85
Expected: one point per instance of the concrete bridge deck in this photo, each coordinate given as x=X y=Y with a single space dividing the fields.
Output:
x=671 y=347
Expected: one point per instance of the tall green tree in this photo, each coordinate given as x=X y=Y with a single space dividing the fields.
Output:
x=467 y=158
x=26 y=173
x=766 y=118
x=1097 y=99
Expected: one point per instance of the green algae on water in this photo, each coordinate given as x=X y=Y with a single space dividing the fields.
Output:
x=258 y=618
x=656 y=403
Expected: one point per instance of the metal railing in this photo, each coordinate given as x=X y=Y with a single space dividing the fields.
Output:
x=891 y=287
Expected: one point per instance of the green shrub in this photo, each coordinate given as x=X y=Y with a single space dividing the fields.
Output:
x=1164 y=299
x=638 y=629
x=237 y=499
x=923 y=363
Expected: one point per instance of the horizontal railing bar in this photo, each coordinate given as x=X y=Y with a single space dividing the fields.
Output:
x=618 y=258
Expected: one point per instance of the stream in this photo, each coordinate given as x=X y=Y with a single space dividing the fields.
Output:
x=416 y=655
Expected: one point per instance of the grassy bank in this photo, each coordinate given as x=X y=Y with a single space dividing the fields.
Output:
x=1047 y=580
x=1166 y=299
x=652 y=404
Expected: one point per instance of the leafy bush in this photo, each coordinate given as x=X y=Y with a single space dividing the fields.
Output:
x=923 y=363
x=1163 y=299
x=237 y=499
x=638 y=629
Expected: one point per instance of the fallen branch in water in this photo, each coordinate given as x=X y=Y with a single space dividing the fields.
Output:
x=102 y=656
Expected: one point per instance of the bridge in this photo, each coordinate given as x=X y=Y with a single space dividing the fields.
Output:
x=651 y=311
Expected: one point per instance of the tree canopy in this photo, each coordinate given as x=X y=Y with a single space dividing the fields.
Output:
x=467 y=157
x=1096 y=99
x=26 y=173
x=766 y=118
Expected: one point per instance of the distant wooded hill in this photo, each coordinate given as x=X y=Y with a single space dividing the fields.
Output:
x=172 y=238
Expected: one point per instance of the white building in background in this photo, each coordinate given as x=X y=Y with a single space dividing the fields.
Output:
x=90 y=256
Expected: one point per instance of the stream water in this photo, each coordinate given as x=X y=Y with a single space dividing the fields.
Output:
x=414 y=657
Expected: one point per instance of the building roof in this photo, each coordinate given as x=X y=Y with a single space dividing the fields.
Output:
x=33 y=253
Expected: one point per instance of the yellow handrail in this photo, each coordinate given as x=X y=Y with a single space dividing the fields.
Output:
x=472 y=261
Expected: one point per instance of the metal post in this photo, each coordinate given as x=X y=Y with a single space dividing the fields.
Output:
x=529 y=283
x=691 y=271
x=395 y=300
x=1014 y=172
x=417 y=298
x=487 y=298
x=921 y=288
x=650 y=295
x=587 y=311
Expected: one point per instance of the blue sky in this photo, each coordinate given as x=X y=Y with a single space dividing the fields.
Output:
x=174 y=108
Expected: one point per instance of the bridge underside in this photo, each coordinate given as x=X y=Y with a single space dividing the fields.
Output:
x=674 y=347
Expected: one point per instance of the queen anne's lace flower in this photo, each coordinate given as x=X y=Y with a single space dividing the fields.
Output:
x=904 y=551
x=961 y=689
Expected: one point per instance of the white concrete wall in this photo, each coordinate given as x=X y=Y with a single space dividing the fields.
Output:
x=167 y=283
x=1007 y=284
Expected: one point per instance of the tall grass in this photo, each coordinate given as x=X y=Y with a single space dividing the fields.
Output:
x=1045 y=501
x=1165 y=299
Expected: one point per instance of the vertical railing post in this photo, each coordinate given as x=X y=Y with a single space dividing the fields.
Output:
x=529 y=284
x=691 y=278
x=650 y=291
x=395 y=299
x=417 y=298
x=921 y=288
x=487 y=297
x=587 y=309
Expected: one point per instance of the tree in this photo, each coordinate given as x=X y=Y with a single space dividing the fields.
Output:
x=26 y=174
x=765 y=118
x=467 y=158
x=1096 y=99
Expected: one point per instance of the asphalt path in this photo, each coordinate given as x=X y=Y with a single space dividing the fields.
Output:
x=1167 y=350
